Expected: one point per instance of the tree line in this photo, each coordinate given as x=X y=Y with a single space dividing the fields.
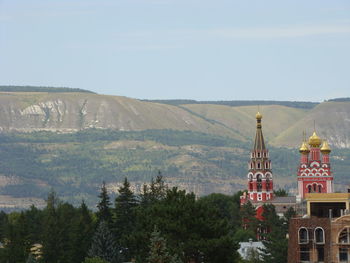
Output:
x=160 y=225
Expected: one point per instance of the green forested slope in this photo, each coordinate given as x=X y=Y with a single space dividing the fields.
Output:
x=76 y=164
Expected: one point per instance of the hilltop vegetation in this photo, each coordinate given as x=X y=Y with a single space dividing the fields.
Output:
x=236 y=103
x=41 y=89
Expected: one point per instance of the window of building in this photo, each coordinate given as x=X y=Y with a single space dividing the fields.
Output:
x=320 y=254
x=309 y=189
x=304 y=254
x=258 y=154
x=303 y=236
x=258 y=165
x=344 y=236
x=314 y=185
x=343 y=254
x=320 y=189
x=319 y=235
x=258 y=183
x=267 y=184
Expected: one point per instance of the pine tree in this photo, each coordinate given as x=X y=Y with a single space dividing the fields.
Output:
x=125 y=203
x=158 y=250
x=51 y=233
x=103 y=244
x=249 y=221
x=83 y=229
x=156 y=191
x=104 y=212
x=276 y=243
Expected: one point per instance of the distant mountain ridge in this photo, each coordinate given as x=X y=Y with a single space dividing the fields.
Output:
x=74 y=111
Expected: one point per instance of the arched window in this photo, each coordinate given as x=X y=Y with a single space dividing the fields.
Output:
x=309 y=189
x=303 y=236
x=267 y=184
x=258 y=183
x=314 y=186
x=319 y=235
x=344 y=236
x=258 y=165
x=319 y=188
x=250 y=182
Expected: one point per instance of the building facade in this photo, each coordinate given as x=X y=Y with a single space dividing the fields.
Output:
x=323 y=233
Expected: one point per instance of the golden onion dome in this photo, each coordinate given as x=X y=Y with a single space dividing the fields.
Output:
x=258 y=116
x=325 y=149
x=304 y=149
x=314 y=140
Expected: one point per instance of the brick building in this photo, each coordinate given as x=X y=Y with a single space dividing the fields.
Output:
x=323 y=233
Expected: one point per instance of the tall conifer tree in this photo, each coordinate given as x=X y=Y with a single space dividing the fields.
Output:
x=104 y=211
x=125 y=204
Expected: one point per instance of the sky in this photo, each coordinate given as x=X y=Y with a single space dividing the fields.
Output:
x=180 y=49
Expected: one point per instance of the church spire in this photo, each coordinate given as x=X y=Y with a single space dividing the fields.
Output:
x=259 y=143
x=260 y=181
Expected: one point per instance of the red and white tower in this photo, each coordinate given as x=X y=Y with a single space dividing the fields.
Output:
x=260 y=182
x=314 y=172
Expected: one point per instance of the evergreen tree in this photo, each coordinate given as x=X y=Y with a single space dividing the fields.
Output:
x=104 y=212
x=17 y=243
x=51 y=233
x=155 y=191
x=103 y=244
x=248 y=214
x=83 y=230
x=276 y=243
x=125 y=203
x=158 y=250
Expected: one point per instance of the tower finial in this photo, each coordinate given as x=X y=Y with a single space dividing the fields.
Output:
x=314 y=126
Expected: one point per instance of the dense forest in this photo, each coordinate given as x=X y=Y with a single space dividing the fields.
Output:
x=159 y=225
x=41 y=89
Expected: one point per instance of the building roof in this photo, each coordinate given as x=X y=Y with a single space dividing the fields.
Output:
x=259 y=143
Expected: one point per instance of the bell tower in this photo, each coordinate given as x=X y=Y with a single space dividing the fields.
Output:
x=260 y=181
x=314 y=171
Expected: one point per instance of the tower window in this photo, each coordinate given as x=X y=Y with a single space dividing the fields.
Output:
x=258 y=183
x=314 y=187
x=309 y=189
x=319 y=188
x=259 y=165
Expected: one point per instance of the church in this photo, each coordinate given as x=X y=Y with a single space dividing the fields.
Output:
x=260 y=187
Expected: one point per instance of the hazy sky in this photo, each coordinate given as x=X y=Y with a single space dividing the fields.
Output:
x=169 y=49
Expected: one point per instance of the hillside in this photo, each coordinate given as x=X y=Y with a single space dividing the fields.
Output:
x=73 y=141
x=332 y=122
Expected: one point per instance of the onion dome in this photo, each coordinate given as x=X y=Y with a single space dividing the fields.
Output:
x=258 y=116
x=304 y=149
x=325 y=149
x=314 y=140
